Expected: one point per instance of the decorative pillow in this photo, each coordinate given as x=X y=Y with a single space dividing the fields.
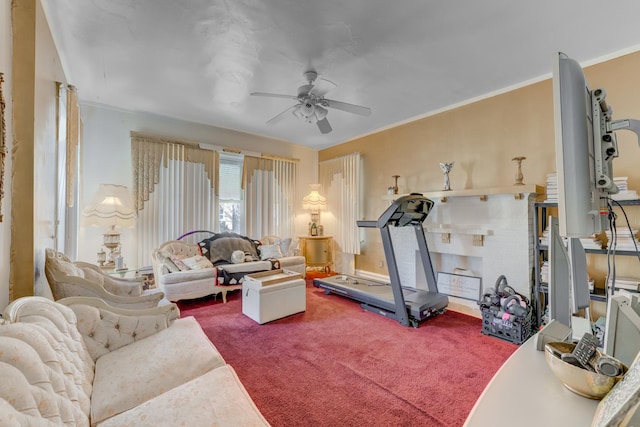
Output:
x=177 y=260
x=292 y=250
x=197 y=262
x=270 y=251
x=284 y=245
x=237 y=257
x=170 y=265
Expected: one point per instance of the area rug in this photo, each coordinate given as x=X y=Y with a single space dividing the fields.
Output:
x=338 y=365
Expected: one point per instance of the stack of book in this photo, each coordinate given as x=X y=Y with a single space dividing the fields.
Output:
x=552 y=187
x=630 y=284
x=544 y=276
x=626 y=240
x=592 y=242
x=624 y=193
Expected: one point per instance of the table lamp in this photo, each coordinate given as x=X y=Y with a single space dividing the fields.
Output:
x=111 y=207
x=314 y=202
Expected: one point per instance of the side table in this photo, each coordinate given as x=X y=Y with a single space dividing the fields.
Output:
x=317 y=251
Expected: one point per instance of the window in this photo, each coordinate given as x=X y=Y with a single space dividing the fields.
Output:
x=230 y=195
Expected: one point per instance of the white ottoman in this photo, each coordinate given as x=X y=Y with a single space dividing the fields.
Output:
x=265 y=302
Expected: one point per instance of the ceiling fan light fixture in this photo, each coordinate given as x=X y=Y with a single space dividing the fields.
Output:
x=307 y=108
x=297 y=113
x=312 y=106
x=321 y=113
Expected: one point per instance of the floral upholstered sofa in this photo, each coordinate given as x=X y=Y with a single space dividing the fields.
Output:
x=218 y=264
x=80 y=362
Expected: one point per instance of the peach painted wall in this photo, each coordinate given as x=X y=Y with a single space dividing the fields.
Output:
x=482 y=138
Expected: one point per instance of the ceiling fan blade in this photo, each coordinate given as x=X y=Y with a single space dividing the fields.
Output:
x=324 y=126
x=273 y=95
x=349 y=108
x=321 y=87
x=282 y=115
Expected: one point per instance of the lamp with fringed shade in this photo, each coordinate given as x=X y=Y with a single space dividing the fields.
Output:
x=111 y=207
x=315 y=203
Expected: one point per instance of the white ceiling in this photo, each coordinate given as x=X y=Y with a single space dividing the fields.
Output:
x=198 y=60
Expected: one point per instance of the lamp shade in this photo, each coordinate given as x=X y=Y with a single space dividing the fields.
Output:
x=314 y=201
x=111 y=207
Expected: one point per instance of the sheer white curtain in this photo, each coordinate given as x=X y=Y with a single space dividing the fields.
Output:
x=340 y=179
x=174 y=191
x=270 y=196
x=68 y=137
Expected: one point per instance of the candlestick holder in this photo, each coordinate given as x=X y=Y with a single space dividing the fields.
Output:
x=519 y=176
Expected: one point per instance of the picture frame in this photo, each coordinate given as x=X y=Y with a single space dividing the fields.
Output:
x=3 y=147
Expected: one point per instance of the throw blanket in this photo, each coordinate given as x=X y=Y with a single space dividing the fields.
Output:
x=219 y=247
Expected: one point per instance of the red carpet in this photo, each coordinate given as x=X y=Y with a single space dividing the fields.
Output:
x=338 y=365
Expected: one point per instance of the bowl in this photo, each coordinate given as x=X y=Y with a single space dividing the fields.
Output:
x=581 y=381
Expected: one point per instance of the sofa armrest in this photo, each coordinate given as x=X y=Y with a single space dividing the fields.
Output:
x=84 y=287
x=131 y=286
x=123 y=280
x=105 y=328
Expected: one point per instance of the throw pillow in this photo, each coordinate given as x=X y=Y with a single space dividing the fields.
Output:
x=237 y=257
x=284 y=245
x=293 y=248
x=197 y=262
x=270 y=251
x=170 y=265
x=177 y=260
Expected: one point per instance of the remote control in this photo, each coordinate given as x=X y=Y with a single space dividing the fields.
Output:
x=585 y=349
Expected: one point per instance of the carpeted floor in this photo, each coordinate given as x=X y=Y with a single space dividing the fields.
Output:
x=338 y=365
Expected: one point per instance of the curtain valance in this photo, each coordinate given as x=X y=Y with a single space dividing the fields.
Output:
x=148 y=152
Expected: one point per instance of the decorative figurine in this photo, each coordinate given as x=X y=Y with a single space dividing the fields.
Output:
x=446 y=168
x=519 y=176
x=395 y=186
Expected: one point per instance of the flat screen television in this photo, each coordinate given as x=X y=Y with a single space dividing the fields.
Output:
x=585 y=145
x=585 y=177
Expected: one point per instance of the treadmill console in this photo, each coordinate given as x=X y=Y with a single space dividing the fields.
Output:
x=406 y=210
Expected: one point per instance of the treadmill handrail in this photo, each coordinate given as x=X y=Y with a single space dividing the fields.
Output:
x=367 y=224
x=400 y=214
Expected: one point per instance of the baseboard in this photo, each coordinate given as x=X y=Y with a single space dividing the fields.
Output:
x=464 y=306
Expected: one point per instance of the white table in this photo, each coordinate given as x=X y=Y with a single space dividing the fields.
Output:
x=524 y=392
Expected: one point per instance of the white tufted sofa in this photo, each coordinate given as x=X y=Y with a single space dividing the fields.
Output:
x=80 y=362
x=191 y=284
x=188 y=284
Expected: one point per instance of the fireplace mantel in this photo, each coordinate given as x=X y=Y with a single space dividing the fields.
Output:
x=518 y=192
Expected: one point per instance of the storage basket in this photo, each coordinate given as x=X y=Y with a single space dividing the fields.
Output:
x=516 y=331
x=506 y=314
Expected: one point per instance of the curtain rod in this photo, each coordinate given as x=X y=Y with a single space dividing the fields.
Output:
x=273 y=157
x=211 y=147
x=253 y=154
x=163 y=138
x=340 y=157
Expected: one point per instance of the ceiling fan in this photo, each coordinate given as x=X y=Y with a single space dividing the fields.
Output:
x=312 y=105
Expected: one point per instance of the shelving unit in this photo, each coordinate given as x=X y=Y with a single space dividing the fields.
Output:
x=540 y=217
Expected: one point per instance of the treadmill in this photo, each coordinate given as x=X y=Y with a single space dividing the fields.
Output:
x=408 y=305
